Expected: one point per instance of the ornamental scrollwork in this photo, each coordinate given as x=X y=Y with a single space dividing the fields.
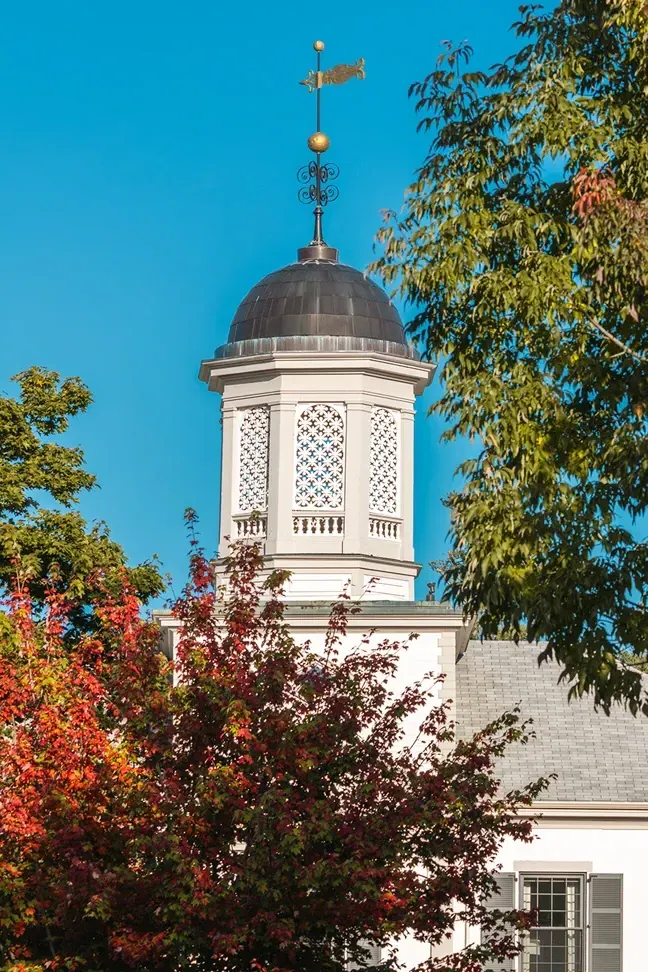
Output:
x=312 y=188
x=319 y=454
x=254 y=443
x=383 y=462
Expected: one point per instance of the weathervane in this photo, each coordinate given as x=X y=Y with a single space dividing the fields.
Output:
x=315 y=177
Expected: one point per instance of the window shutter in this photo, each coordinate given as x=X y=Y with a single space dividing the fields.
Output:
x=504 y=900
x=374 y=958
x=605 y=922
x=375 y=955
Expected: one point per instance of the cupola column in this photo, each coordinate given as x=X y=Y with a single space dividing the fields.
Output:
x=281 y=477
x=356 y=494
x=407 y=483
x=228 y=480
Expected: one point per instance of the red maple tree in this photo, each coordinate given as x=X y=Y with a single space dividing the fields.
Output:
x=261 y=809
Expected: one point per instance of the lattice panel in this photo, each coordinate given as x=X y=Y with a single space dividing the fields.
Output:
x=254 y=442
x=383 y=462
x=319 y=462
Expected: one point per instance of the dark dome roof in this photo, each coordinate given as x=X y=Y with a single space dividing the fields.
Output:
x=316 y=298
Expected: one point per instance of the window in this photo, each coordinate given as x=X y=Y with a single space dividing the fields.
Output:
x=555 y=943
x=319 y=458
x=383 y=462
x=374 y=957
x=254 y=442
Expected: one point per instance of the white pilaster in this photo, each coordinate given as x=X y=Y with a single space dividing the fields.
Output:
x=281 y=478
x=356 y=486
x=229 y=475
x=407 y=483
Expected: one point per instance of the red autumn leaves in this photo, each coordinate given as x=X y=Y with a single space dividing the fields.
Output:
x=263 y=812
x=592 y=189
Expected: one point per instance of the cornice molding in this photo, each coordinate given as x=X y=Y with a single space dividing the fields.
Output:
x=588 y=815
x=217 y=372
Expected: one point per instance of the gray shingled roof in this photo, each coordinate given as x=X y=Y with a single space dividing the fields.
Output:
x=596 y=757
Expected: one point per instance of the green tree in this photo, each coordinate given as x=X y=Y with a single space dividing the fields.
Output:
x=523 y=251
x=42 y=536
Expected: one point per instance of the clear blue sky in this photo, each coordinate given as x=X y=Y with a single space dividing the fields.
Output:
x=147 y=179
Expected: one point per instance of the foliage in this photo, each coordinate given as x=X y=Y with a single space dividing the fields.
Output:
x=523 y=249
x=33 y=465
x=641 y=664
x=264 y=809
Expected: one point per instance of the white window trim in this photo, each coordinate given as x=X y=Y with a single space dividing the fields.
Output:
x=562 y=870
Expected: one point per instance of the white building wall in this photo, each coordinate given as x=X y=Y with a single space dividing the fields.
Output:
x=585 y=846
x=421 y=657
x=592 y=839
x=602 y=850
x=568 y=838
x=316 y=586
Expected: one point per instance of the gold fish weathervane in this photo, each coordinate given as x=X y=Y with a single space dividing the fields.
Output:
x=335 y=75
x=319 y=176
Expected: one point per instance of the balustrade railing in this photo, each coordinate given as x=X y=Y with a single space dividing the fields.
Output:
x=321 y=525
x=383 y=528
x=318 y=525
x=250 y=526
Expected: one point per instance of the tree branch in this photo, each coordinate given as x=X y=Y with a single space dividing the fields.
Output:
x=615 y=340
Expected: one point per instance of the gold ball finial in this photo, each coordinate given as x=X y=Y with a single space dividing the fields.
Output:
x=318 y=46
x=318 y=142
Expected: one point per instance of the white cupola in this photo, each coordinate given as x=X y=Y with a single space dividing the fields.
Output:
x=318 y=386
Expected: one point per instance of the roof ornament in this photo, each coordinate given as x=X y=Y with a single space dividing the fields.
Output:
x=315 y=177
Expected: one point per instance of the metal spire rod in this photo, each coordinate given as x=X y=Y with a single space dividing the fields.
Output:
x=318 y=212
x=321 y=192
